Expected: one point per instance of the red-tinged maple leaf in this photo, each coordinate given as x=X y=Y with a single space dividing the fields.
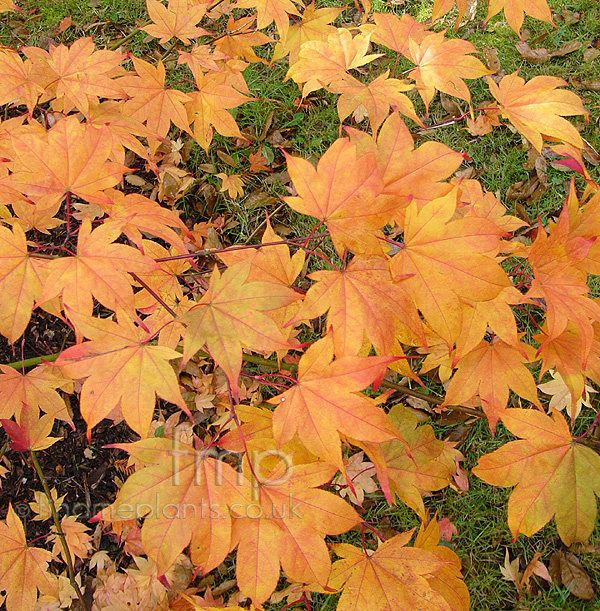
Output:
x=286 y=526
x=314 y=26
x=23 y=569
x=20 y=282
x=231 y=314
x=71 y=158
x=376 y=98
x=448 y=259
x=208 y=107
x=395 y=32
x=419 y=463
x=185 y=496
x=442 y=65
x=560 y=279
x=32 y=432
x=584 y=222
x=121 y=369
x=409 y=174
x=36 y=390
x=100 y=269
x=392 y=577
x=133 y=214
x=77 y=75
x=554 y=476
x=363 y=302
x=16 y=83
x=177 y=20
x=321 y=63
x=268 y=11
x=489 y=371
x=515 y=10
x=151 y=102
x=537 y=108
x=326 y=402
x=239 y=38
x=342 y=192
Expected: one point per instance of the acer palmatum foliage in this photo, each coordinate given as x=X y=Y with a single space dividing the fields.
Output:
x=430 y=267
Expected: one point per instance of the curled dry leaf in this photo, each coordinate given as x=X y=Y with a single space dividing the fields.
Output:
x=565 y=569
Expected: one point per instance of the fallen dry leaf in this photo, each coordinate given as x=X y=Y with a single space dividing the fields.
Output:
x=566 y=569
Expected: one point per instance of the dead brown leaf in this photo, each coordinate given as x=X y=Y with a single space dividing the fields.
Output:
x=533 y=56
x=490 y=55
x=566 y=569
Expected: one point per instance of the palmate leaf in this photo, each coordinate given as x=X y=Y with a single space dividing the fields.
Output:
x=554 y=475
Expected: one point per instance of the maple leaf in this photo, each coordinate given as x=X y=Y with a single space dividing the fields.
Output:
x=443 y=64
x=36 y=389
x=561 y=280
x=376 y=98
x=41 y=505
x=208 y=107
x=396 y=32
x=32 y=432
x=231 y=314
x=515 y=11
x=133 y=214
x=151 y=102
x=185 y=496
x=408 y=174
x=321 y=63
x=23 y=569
x=239 y=38
x=98 y=270
x=313 y=26
x=363 y=302
x=177 y=20
x=201 y=58
x=554 y=476
x=121 y=369
x=232 y=183
x=537 y=108
x=271 y=10
x=489 y=371
x=77 y=75
x=342 y=192
x=438 y=277
x=443 y=7
x=16 y=82
x=360 y=472
x=418 y=463
x=326 y=402
x=392 y=577
x=70 y=158
x=21 y=279
x=286 y=526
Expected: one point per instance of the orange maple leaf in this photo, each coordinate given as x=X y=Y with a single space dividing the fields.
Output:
x=70 y=158
x=394 y=576
x=442 y=65
x=239 y=38
x=515 y=10
x=100 y=269
x=21 y=278
x=77 y=75
x=269 y=11
x=448 y=259
x=408 y=174
x=396 y=32
x=185 y=496
x=151 y=102
x=326 y=402
x=231 y=314
x=363 y=302
x=537 y=108
x=342 y=192
x=178 y=20
x=113 y=363
x=419 y=463
x=16 y=82
x=286 y=526
x=23 y=569
x=489 y=371
x=554 y=476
